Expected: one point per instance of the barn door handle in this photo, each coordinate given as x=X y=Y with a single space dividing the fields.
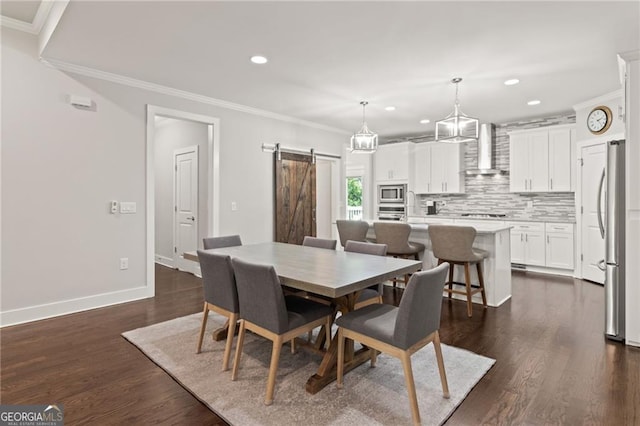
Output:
x=192 y=218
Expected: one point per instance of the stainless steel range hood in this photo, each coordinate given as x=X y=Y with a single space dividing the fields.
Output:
x=485 y=152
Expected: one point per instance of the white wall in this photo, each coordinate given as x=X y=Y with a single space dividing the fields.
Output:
x=172 y=134
x=61 y=166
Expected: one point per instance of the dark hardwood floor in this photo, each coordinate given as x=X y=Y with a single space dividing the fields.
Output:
x=553 y=364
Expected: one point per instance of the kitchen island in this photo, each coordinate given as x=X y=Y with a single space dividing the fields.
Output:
x=494 y=239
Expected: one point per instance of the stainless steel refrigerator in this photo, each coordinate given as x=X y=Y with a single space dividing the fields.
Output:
x=613 y=231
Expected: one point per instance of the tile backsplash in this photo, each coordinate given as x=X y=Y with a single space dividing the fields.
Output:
x=490 y=194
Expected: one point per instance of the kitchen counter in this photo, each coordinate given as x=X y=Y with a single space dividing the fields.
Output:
x=487 y=219
x=493 y=238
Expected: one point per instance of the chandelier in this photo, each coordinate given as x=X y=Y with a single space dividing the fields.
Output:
x=457 y=127
x=364 y=141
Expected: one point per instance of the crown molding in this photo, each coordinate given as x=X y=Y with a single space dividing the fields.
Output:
x=16 y=24
x=158 y=88
x=600 y=99
x=30 y=27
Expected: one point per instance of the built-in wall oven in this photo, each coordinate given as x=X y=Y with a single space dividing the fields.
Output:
x=394 y=194
x=392 y=212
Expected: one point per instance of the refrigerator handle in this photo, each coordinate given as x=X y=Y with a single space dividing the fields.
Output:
x=599 y=205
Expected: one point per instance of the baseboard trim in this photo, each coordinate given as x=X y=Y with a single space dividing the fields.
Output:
x=65 y=307
x=165 y=261
x=542 y=270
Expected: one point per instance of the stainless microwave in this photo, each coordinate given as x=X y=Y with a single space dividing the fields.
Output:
x=392 y=194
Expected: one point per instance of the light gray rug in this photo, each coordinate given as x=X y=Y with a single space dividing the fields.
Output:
x=371 y=396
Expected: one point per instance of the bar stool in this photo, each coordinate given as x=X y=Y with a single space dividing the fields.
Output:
x=396 y=236
x=354 y=230
x=454 y=245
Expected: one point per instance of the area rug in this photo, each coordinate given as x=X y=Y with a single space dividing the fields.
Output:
x=371 y=396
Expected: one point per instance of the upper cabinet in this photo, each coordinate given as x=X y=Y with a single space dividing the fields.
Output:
x=438 y=168
x=541 y=160
x=393 y=163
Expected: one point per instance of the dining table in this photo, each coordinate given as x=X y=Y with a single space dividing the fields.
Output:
x=336 y=276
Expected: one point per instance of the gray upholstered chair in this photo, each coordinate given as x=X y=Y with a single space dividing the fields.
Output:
x=400 y=331
x=396 y=236
x=218 y=242
x=371 y=294
x=454 y=245
x=220 y=296
x=352 y=230
x=267 y=312
x=319 y=242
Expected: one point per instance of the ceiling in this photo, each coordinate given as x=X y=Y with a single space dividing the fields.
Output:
x=325 y=57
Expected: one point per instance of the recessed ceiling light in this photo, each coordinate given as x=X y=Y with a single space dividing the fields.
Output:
x=258 y=59
x=425 y=121
x=534 y=102
x=511 y=82
x=390 y=108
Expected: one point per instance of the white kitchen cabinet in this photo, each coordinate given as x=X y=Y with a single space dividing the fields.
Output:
x=541 y=160
x=438 y=168
x=529 y=161
x=393 y=163
x=527 y=243
x=559 y=249
x=422 y=168
x=560 y=164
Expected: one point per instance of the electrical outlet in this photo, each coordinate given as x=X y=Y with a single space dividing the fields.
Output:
x=124 y=263
x=234 y=206
x=529 y=204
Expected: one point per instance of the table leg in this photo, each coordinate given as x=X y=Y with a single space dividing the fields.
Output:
x=327 y=372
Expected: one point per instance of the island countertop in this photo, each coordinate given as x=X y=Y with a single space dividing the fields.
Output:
x=481 y=228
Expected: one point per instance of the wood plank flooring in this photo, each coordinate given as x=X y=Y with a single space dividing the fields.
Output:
x=553 y=364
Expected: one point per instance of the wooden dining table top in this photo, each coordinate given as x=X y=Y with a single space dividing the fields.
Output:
x=331 y=273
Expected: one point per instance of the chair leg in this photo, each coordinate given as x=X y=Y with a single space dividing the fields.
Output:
x=443 y=374
x=411 y=387
x=231 y=330
x=340 y=364
x=451 y=266
x=273 y=369
x=239 y=343
x=205 y=315
x=293 y=345
x=467 y=280
x=374 y=357
x=309 y=336
x=481 y=281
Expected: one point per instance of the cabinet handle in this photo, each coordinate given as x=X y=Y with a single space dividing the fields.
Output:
x=446 y=186
x=521 y=236
x=530 y=185
x=525 y=184
x=551 y=181
x=547 y=239
x=526 y=238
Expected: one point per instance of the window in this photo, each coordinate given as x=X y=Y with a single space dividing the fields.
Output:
x=354 y=198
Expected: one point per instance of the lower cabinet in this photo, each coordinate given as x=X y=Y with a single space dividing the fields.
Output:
x=527 y=243
x=542 y=244
x=559 y=250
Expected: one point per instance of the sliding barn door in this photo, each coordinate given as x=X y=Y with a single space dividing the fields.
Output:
x=295 y=203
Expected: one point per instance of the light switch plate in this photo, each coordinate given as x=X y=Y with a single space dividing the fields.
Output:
x=128 y=207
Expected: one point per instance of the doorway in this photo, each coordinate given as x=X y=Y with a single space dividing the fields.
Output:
x=184 y=130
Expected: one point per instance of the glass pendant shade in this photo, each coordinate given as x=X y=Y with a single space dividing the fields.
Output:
x=457 y=127
x=364 y=141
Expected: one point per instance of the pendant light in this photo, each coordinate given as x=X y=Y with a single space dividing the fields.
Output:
x=457 y=127
x=365 y=141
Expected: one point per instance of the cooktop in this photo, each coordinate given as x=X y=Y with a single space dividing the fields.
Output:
x=483 y=215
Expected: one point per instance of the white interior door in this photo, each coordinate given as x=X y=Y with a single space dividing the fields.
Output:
x=593 y=165
x=186 y=206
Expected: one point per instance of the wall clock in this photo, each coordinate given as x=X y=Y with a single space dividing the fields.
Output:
x=599 y=120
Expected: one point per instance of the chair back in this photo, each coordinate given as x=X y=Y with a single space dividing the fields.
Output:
x=366 y=248
x=452 y=242
x=319 y=242
x=218 y=280
x=219 y=242
x=419 y=310
x=354 y=230
x=260 y=296
x=394 y=234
